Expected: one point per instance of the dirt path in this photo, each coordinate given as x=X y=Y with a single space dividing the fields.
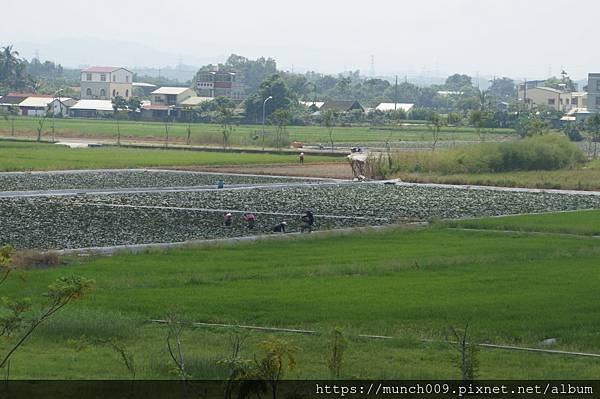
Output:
x=331 y=170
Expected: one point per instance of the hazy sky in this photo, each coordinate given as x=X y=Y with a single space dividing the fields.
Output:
x=518 y=38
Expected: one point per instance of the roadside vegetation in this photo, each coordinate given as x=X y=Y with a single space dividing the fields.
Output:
x=239 y=135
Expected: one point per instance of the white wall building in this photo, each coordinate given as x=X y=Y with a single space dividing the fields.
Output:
x=105 y=83
x=171 y=95
x=406 y=107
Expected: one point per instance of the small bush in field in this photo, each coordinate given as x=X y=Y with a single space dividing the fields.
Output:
x=36 y=259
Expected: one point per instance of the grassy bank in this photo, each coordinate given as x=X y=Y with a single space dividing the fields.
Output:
x=515 y=289
x=582 y=223
x=38 y=156
x=568 y=179
x=242 y=135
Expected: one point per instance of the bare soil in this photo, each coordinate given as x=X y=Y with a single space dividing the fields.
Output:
x=327 y=169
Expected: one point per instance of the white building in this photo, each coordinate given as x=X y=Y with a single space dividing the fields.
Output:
x=171 y=95
x=92 y=108
x=105 y=83
x=43 y=106
x=547 y=96
x=385 y=107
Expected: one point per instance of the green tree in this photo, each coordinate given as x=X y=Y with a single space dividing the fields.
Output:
x=335 y=361
x=10 y=116
x=224 y=118
x=118 y=104
x=279 y=357
x=281 y=118
x=134 y=105
x=12 y=70
x=564 y=83
x=19 y=320
x=455 y=119
x=190 y=115
x=593 y=125
x=41 y=121
x=468 y=351
x=485 y=100
x=435 y=123
x=480 y=120
x=504 y=88
x=329 y=120
x=175 y=328
x=275 y=87
x=167 y=122
x=458 y=82
x=531 y=126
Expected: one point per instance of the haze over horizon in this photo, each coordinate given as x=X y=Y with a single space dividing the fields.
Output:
x=502 y=38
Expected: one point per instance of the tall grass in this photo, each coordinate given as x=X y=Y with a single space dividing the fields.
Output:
x=77 y=322
x=535 y=153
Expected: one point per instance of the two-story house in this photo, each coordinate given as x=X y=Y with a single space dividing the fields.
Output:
x=218 y=83
x=171 y=95
x=593 y=92
x=106 y=83
x=559 y=100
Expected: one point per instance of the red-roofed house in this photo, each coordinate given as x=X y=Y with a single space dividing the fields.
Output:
x=105 y=83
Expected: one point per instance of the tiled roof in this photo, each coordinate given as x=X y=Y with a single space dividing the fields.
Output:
x=101 y=69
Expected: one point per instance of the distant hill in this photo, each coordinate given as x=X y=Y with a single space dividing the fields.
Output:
x=82 y=51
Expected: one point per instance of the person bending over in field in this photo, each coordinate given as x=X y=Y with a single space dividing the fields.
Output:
x=308 y=221
x=228 y=219
x=250 y=220
x=280 y=228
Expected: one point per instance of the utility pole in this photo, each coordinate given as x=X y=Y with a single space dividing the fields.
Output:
x=525 y=93
x=396 y=94
x=54 y=98
x=263 y=121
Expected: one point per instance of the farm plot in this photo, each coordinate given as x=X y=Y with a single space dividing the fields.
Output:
x=127 y=178
x=118 y=219
x=363 y=200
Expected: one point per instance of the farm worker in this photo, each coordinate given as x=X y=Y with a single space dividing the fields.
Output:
x=301 y=157
x=220 y=183
x=308 y=220
x=280 y=228
x=250 y=220
x=228 y=219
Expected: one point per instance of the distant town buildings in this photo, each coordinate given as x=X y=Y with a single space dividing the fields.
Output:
x=385 y=107
x=92 y=109
x=341 y=106
x=593 y=92
x=217 y=83
x=537 y=96
x=106 y=83
x=171 y=95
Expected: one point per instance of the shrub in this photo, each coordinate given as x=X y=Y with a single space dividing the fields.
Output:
x=533 y=153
